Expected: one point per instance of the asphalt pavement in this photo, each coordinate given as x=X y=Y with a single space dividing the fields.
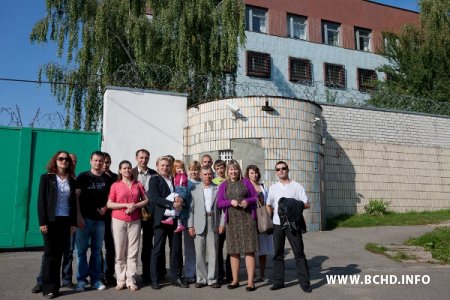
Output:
x=337 y=252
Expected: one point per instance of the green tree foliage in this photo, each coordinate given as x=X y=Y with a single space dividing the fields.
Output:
x=106 y=40
x=418 y=73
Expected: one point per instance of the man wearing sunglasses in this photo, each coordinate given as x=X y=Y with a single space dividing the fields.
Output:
x=287 y=188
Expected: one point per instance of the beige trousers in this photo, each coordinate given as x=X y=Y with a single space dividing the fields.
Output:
x=126 y=243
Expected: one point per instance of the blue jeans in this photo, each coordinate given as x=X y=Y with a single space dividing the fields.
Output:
x=93 y=232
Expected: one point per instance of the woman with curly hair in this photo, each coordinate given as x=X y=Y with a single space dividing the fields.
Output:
x=57 y=214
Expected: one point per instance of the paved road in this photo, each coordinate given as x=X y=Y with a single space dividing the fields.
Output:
x=337 y=252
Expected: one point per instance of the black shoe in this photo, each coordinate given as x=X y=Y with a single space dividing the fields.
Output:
x=250 y=289
x=146 y=280
x=180 y=283
x=199 y=285
x=276 y=286
x=306 y=288
x=155 y=286
x=233 y=286
x=37 y=288
x=215 y=285
x=69 y=285
x=110 y=281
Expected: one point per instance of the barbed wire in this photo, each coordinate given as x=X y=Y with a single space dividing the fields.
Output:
x=12 y=117
x=208 y=88
x=201 y=88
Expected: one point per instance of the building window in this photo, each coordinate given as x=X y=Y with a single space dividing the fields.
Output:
x=300 y=70
x=258 y=64
x=226 y=155
x=255 y=19
x=296 y=27
x=366 y=80
x=335 y=76
x=330 y=33
x=362 y=39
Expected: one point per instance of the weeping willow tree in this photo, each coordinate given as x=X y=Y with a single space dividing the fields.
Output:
x=167 y=44
x=418 y=73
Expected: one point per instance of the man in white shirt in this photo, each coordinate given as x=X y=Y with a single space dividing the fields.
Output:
x=203 y=223
x=287 y=188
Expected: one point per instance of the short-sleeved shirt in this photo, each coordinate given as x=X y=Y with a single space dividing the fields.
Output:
x=94 y=194
x=120 y=193
x=292 y=190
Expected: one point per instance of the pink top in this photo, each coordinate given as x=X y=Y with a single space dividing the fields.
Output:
x=120 y=193
x=180 y=180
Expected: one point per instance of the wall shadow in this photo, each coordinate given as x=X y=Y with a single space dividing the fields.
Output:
x=338 y=193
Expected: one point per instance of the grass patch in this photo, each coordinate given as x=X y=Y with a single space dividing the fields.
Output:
x=378 y=249
x=437 y=241
x=390 y=219
x=374 y=248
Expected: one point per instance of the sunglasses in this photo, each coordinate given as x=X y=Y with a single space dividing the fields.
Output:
x=63 y=159
x=282 y=168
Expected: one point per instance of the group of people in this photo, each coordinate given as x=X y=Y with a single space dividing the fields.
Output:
x=195 y=208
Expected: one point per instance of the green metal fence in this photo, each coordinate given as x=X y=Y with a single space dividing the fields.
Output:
x=24 y=153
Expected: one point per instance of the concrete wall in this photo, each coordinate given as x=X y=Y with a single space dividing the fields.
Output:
x=135 y=119
x=288 y=133
x=403 y=158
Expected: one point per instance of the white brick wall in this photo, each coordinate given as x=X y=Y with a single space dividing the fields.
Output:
x=403 y=158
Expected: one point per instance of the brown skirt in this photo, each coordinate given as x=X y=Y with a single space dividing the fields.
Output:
x=242 y=235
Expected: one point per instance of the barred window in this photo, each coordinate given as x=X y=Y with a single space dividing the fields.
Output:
x=226 y=155
x=258 y=64
x=335 y=76
x=300 y=70
x=366 y=80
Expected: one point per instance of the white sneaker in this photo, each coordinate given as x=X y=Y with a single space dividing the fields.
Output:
x=81 y=286
x=99 y=286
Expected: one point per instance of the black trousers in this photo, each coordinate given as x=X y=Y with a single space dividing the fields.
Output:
x=56 y=240
x=110 y=252
x=161 y=233
x=223 y=273
x=296 y=241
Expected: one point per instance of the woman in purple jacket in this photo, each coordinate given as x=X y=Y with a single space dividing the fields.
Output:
x=237 y=197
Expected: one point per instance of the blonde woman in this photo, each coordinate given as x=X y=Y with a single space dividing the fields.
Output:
x=237 y=197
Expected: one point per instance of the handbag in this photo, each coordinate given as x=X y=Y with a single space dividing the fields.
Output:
x=145 y=214
x=265 y=224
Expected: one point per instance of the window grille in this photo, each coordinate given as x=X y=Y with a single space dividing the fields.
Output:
x=226 y=155
x=366 y=80
x=335 y=76
x=300 y=70
x=258 y=64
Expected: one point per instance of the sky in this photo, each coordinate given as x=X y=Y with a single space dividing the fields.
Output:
x=19 y=59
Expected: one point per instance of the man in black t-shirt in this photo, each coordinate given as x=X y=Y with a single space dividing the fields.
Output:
x=92 y=189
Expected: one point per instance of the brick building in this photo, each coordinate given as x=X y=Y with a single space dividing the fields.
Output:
x=325 y=47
